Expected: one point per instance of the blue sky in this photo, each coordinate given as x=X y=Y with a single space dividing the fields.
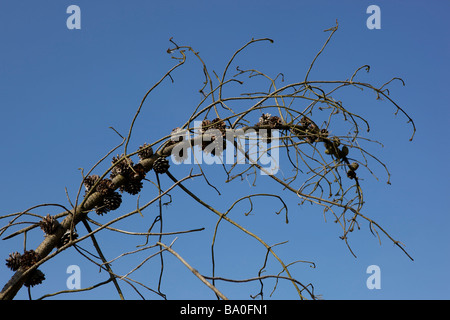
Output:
x=61 y=90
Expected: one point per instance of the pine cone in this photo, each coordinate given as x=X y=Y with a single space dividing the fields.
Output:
x=145 y=151
x=36 y=277
x=49 y=224
x=104 y=186
x=219 y=124
x=216 y=124
x=29 y=258
x=132 y=187
x=66 y=238
x=13 y=261
x=101 y=210
x=275 y=122
x=264 y=119
x=206 y=124
x=113 y=201
x=122 y=168
x=161 y=165
x=89 y=181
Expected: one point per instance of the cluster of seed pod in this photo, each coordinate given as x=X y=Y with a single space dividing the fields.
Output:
x=26 y=260
x=217 y=130
x=309 y=131
x=111 y=199
x=273 y=122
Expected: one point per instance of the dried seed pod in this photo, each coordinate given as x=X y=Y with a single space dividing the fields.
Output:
x=13 y=261
x=264 y=119
x=145 y=151
x=110 y=202
x=324 y=133
x=206 y=124
x=113 y=200
x=66 y=238
x=138 y=172
x=305 y=121
x=36 y=277
x=89 y=181
x=275 y=122
x=122 y=166
x=132 y=186
x=353 y=166
x=351 y=174
x=49 y=224
x=336 y=141
x=105 y=186
x=28 y=258
x=161 y=165
x=343 y=152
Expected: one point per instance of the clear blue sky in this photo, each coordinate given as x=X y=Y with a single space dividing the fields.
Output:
x=61 y=89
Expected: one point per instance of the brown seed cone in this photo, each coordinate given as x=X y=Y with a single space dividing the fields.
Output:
x=66 y=238
x=13 y=261
x=36 y=277
x=161 y=165
x=132 y=187
x=123 y=167
x=29 y=258
x=89 y=181
x=49 y=224
x=145 y=151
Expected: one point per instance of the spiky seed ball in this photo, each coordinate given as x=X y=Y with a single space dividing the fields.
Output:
x=145 y=151
x=49 y=224
x=13 y=261
x=161 y=165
